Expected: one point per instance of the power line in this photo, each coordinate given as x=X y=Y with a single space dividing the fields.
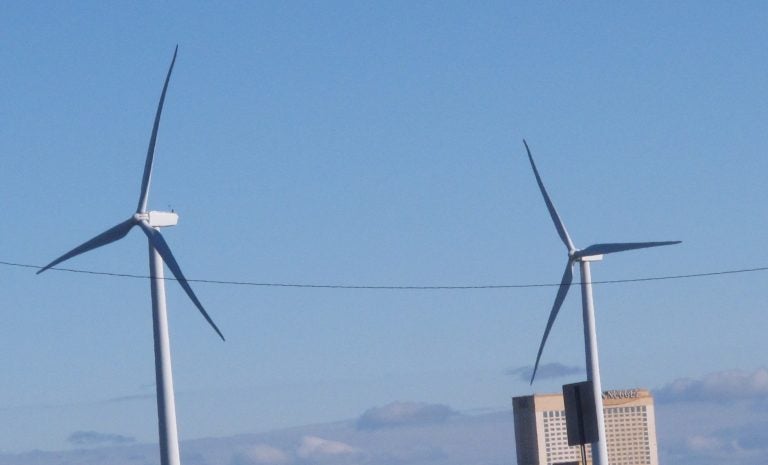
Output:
x=396 y=288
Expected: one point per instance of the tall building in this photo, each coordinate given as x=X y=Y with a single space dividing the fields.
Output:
x=630 y=428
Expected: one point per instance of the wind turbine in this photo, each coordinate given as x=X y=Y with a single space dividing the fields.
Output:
x=150 y=223
x=583 y=257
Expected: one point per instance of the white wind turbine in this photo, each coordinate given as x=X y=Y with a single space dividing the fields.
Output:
x=583 y=257
x=150 y=222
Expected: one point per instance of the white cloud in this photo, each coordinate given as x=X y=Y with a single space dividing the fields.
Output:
x=313 y=447
x=260 y=454
x=723 y=386
x=404 y=413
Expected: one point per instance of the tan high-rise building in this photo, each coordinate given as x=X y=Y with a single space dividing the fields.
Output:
x=630 y=427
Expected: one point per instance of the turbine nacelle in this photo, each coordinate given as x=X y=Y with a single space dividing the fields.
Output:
x=158 y=219
x=576 y=257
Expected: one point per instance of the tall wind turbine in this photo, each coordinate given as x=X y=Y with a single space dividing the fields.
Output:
x=150 y=223
x=583 y=257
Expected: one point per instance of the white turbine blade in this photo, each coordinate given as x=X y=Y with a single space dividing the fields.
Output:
x=110 y=235
x=602 y=249
x=561 y=231
x=565 y=285
x=142 y=208
x=158 y=242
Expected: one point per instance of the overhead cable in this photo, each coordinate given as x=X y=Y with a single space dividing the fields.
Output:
x=394 y=288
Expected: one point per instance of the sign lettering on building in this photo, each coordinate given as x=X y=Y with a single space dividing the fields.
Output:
x=621 y=394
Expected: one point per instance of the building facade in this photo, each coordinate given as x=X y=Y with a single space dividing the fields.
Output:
x=630 y=428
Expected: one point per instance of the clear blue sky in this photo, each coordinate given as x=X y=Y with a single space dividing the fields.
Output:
x=369 y=143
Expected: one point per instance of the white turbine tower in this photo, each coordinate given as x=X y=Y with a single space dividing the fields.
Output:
x=150 y=222
x=583 y=257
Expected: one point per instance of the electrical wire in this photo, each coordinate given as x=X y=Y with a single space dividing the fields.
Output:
x=396 y=288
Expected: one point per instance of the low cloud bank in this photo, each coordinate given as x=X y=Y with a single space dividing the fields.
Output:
x=313 y=447
x=746 y=444
x=93 y=438
x=403 y=414
x=546 y=371
x=260 y=454
x=310 y=450
x=719 y=387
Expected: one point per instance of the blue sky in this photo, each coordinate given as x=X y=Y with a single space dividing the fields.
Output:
x=359 y=143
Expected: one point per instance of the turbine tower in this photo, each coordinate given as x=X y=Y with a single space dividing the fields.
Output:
x=584 y=257
x=150 y=223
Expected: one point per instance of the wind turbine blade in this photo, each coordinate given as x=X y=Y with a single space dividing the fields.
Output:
x=601 y=249
x=142 y=208
x=561 y=231
x=158 y=242
x=565 y=285
x=110 y=235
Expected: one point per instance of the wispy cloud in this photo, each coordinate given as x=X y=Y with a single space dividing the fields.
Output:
x=719 y=387
x=313 y=447
x=404 y=413
x=546 y=371
x=260 y=454
x=93 y=438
